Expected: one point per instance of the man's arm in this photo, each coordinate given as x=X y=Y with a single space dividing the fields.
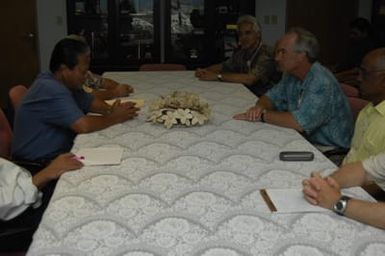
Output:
x=109 y=89
x=326 y=193
x=366 y=212
x=61 y=164
x=254 y=113
x=209 y=72
x=247 y=79
x=351 y=175
x=18 y=190
x=216 y=68
x=348 y=175
x=284 y=119
x=265 y=106
x=100 y=106
x=119 y=113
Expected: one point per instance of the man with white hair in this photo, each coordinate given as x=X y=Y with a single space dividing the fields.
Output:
x=252 y=64
x=308 y=98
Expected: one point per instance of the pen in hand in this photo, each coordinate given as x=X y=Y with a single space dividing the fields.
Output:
x=78 y=157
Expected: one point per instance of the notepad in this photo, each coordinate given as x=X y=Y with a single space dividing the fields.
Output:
x=288 y=201
x=100 y=156
x=138 y=102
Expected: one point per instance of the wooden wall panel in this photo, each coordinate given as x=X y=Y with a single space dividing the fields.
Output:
x=328 y=20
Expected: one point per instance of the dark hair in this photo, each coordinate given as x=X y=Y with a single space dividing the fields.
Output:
x=306 y=42
x=66 y=52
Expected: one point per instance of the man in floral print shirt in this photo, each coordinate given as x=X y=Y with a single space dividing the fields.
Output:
x=308 y=98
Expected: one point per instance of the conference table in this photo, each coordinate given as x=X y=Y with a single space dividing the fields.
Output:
x=194 y=190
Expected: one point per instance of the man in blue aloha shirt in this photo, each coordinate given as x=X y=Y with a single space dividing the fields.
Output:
x=308 y=98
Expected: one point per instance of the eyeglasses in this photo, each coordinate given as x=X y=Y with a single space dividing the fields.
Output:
x=364 y=73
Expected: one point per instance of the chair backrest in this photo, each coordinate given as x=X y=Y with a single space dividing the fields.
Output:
x=349 y=90
x=356 y=105
x=5 y=136
x=162 y=67
x=16 y=94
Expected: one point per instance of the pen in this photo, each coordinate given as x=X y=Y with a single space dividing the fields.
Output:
x=78 y=158
x=267 y=200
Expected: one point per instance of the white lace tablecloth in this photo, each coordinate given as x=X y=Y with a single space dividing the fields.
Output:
x=194 y=191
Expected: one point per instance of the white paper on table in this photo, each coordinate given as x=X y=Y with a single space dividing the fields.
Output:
x=291 y=201
x=138 y=102
x=100 y=156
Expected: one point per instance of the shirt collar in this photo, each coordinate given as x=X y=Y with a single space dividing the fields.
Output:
x=381 y=108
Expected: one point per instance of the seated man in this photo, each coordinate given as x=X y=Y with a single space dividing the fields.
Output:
x=326 y=192
x=54 y=109
x=23 y=198
x=252 y=65
x=308 y=98
x=369 y=135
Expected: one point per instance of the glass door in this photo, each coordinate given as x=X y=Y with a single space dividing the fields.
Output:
x=202 y=32
x=123 y=34
x=89 y=18
x=187 y=30
x=135 y=30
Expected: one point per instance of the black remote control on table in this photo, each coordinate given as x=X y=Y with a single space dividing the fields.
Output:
x=296 y=156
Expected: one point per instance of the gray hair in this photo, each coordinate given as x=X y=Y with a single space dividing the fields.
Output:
x=252 y=20
x=306 y=42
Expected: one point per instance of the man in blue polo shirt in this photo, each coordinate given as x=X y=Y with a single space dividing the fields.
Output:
x=55 y=108
x=308 y=98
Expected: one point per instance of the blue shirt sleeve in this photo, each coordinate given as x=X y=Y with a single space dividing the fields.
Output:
x=64 y=108
x=314 y=109
x=278 y=95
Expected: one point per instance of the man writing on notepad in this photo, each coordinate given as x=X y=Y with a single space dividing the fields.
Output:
x=326 y=192
x=55 y=108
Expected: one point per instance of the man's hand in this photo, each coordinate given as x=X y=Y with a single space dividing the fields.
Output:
x=123 y=111
x=199 y=72
x=122 y=90
x=323 y=192
x=253 y=114
x=61 y=164
x=206 y=75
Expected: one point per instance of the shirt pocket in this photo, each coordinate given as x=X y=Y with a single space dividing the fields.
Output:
x=374 y=141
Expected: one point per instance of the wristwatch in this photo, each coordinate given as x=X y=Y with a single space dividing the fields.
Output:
x=341 y=205
x=219 y=77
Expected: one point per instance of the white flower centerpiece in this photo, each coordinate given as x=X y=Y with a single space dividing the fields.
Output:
x=179 y=108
